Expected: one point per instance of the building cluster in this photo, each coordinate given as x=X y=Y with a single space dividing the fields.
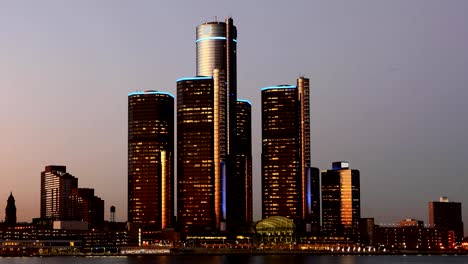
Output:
x=64 y=203
x=212 y=190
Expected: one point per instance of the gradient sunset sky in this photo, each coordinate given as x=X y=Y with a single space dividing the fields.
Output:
x=389 y=85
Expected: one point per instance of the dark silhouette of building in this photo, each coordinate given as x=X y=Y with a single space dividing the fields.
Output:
x=242 y=180
x=446 y=214
x=150 y=159
x=85 y=206
x=341 y=202
x=202 y=151
x=411 y=235
x=56 y=187
x=10 y=211
x=112 y=214
x=290 y=187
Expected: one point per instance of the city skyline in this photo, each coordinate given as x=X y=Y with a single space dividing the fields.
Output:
x=396 y=113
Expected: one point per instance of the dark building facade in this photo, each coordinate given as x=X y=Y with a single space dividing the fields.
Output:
x=242 y=181
x=150 y=159
x=85 y=206
x=341 y=202
x=56 y=187
x=201 y=148
x=10 y=211
x=290 y=187
x=446 y=214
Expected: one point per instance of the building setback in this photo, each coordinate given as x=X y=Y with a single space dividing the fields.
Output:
x=290 y=187
x=341 y=202
x=85 y=206
x=150 y=159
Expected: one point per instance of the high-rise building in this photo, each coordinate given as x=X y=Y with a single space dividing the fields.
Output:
x=201 y=148
x=85 y=206
x=242 y=180
x=56 y=187
x=207 y=104
x=290 y=186
x=217 y=50
x=10 y=211
x=341 y=202
x=150 y=159
x=446 y=214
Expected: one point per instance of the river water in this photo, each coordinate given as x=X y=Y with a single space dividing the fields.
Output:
x=277 y=259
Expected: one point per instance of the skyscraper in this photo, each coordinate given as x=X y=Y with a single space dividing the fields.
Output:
x=446 y=214
x=201 y=148
x=210 y=111
x=289 y=183
x=217 y=49
x=10 y=211
x=150 y=159
x=242 y=181
x=56 y=187
x=341 y=202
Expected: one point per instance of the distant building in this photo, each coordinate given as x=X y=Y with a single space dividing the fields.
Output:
x=151 y=159
x=10 y=211
x=411 y=222
x=85 y=206
x=56 y=186
x=446 y=214
x=341 y=202
x=413 y=238
x=290 y=187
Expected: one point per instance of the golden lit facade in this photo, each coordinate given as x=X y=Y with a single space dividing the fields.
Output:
x=281 y=153
x=290 y=186
x=56 y=187
x=150 y=159
x=341 y=201
x=201 y=148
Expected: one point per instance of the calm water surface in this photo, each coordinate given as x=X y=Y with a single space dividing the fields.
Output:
x=241 y=259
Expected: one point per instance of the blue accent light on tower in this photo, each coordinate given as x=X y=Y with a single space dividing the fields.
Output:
x=194 y=78
x=149 y=92
x=279 y=87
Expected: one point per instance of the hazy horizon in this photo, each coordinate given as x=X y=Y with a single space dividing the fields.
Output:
x=388 y=86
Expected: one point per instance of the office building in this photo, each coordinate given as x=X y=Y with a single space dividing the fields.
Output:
x=10 y=211
x=341 y=203
x=446 y=214
x=242 y=181
x=201 y=148
x=216 y=81
x=150 y=159
x=56 y=187
x=290 y=187
x=85 y=206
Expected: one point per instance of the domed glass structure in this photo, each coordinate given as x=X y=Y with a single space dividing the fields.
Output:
x=275 y=230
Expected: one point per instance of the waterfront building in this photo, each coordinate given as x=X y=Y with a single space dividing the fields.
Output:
x=56 y=187
x=150 y=159
x=10 y=211
x=201 y=148
x=446 y=214
x=404 y=237
x=290 y=187
x=216 y=49
x=341 y=203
